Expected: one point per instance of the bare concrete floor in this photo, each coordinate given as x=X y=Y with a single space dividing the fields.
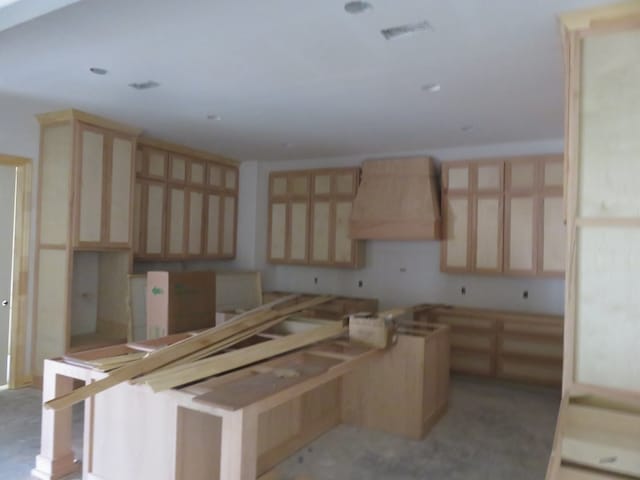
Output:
x=492 y=431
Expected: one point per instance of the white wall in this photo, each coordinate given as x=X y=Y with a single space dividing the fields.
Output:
x=403 y=273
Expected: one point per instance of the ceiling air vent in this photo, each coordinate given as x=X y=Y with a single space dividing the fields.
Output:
x=408 y=29
x=144 y=85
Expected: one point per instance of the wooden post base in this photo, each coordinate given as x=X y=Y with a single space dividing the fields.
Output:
x=48 y=469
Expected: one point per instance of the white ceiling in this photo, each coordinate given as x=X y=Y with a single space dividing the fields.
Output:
x=301 y=79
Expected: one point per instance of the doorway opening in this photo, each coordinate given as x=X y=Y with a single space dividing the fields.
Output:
x=14 y=367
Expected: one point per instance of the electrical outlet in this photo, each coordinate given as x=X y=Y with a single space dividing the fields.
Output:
x=360 y=283
x=525 y=294
x=315 y=280
x=463 y=290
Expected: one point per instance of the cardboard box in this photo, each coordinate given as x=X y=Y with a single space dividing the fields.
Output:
x=180 y=302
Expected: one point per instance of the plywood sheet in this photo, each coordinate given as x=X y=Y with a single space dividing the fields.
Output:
x=608 y=308
x=320 y=231
x=457 y=221
x=343 y=244
x=298 y=231
x=155 y=218
x=610 y=122
x=121 y=173
x=198 y=444
x=229 y=232
x=56 y=155
x=278 y=230
x=488 y=233
x=91 y=186
x=195 y=223
x=213 y=225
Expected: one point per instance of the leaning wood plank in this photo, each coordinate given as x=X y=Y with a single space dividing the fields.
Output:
x=177 y=351
x=240 y=358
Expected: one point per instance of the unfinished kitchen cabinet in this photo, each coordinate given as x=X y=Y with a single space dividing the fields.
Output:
x=503 y=216
x=193 y=212
x=85 y=202
x=309 y=215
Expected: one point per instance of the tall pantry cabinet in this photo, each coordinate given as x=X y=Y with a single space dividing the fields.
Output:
x=84 y=227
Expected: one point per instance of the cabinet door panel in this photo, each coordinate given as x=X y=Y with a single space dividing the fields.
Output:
x=299 y=185
x=137 y=218
x=120 y=195
x=321 y=215
x=456 y=243
x=489 y=177
x=298 y=215
x=522 y=176
x=91 y=186
x=343 y=247
x=215 y=175
x=229 y=229
x=520 y=234
x=178 y=169
x=278 y=231
x=457 y=178
x=345 y=183
x=213 y=225
x=155 y=219
x=156 y=164
x=230 y=179
x=176 y=226
x=553 y=174
x=322 y=184
x=278 y=185
x=195 y=223
x=196 y=172
x=488 y=241
x=553 y=235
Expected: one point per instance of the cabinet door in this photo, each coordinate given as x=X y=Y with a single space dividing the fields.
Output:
x=195 y=233
x=487 y=241
x=213 y=228
x=197 y=172
x=119 y=193
x=278 y=232
x=137 y=218
x=520 y=244
x=177 y=169
x=154 y=208
x=156 y=164
x=298 y=218
x=176 y=223
x=320 y=235
x=91 y=187
x=455 y=255
x=229 y=226
x=551 y=258
x=456 y=177
x=344 y=249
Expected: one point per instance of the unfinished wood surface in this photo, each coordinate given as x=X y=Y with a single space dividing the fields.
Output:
x=176 y=222
x=489 y=177
x=177 y=168
x=157 y=163
x=397 y=200
x=321 y=183
x=553 y=243
x=155 y=201
x=298 y=228
x=137 y=218
x=198 y=445
x=196 y=172
x=195 y=223
x=91 y=185
x=520 y=238
x=456 y=239
x=457 y=177
x=488 y=236
x=120 y=194
x=213 y=225
x=55 y=165
x=343 y=245
x=215 y=175
x=229 y=226
x=179 y=350
x=113 y=315
x=320 y=230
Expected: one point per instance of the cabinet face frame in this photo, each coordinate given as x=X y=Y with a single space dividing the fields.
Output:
x=147 y=152
x=549 y=192
x=108 y=138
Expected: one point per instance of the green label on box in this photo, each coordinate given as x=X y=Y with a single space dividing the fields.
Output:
x=156 y=291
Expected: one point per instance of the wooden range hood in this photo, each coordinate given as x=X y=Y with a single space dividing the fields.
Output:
x=397 y=200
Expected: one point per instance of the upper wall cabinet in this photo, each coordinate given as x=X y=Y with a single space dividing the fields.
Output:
x=188 y=204
x=503 y=216
x=309 y=214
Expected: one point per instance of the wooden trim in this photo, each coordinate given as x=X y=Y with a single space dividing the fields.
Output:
x=18 y=376
x=71 y=115
x=107 y=178
x=586 y=18
x=184 y=150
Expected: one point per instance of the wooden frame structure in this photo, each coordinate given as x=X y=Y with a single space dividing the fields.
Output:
x=240 y=424
x=18 y=374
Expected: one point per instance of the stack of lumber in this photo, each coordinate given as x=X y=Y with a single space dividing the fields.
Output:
x=201 y=355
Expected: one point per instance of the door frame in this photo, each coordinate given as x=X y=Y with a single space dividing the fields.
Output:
x=18 y=374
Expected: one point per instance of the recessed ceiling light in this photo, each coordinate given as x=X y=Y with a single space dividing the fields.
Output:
x=214 y=117
x=466 y=128
x=408 y=29
x=357 y=7
x=98 y=70
x=431 y=87
x=144 y=85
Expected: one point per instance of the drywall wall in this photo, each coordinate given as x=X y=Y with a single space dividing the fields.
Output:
x=405 y=273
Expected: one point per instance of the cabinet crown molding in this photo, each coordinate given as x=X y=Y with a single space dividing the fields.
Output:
x=187 y=151
x=95 y=120
x=585 y=19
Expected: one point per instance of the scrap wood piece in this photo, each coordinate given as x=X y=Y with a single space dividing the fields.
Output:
x=183 y=374
x=177 y=351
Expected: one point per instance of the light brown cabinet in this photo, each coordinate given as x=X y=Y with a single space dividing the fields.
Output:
x=309 y=214
x=188 y=204
x=503 y=216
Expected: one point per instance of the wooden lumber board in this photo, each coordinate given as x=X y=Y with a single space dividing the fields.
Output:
x=158 y=343
x=236 y=359
x=176 y=351
x=255 y=386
